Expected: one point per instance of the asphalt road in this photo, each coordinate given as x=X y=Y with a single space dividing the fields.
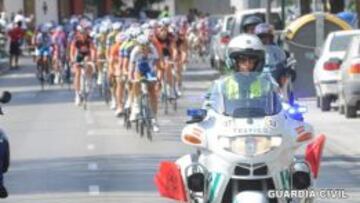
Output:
x=61 y=153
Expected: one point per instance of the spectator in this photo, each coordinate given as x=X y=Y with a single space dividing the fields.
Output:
x=16 y=35
x=191 y=16
x=24 y=20
x=165 y=13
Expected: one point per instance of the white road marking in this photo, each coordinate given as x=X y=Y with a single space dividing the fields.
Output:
x=89 y=118
x=91 y=147
x=93 y=166
x=94 y=190
x=91 y=133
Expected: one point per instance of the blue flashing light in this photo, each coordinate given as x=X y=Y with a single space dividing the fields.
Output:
x=196 y=113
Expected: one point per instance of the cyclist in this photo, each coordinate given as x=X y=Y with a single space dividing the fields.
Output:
x=125 y=52
x=101 y=50
x=142 y=64
x=274 y=54
x=82 y=49
x=165 y=44
x=59 y=51
x=115 y=70
x=250 y=23
x=43 y=48
x=182 y=46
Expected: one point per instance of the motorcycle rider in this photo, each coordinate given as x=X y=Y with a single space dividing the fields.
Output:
x=276 y=59
x=274 y=54
x=250 y=23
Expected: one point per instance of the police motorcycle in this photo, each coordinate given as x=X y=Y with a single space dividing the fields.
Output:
x=4 y=147
x=245 y=141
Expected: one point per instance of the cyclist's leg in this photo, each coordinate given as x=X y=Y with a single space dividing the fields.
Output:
x=119 y=89
x=170 y=79
x=135 y=95
x=77 y=74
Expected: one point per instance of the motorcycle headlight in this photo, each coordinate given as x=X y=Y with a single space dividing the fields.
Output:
x=250 y=145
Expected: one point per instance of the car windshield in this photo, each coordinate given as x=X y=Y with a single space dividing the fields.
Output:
x=340 y=42
x=243 y=96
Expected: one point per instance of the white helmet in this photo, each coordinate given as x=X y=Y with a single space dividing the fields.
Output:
x=246 y=45
x=143 y=40
x=45 y=28
x=103 y=29
x=153 y=23
x=122 y=36
x=165 y=22
x=117 y=26
x=145 y=26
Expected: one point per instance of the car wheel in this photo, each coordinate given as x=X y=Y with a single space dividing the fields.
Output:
x=341 y=109
x=325 y=103
x=350 y=111
x=318 y=102
x=212 y=62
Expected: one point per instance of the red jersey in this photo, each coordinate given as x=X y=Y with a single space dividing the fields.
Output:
x=16 y=34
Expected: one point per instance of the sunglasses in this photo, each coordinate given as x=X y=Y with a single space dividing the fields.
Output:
x=243 y=59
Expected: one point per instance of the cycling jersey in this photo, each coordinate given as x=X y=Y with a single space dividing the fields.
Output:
x=111 y=39
x=43 y=44
x=126 y=48
x=145 y=63
x=83 y=44
x=163 y=45
x=101 y=44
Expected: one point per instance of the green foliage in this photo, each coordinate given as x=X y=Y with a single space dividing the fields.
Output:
x=144 y=4
x=352 y=6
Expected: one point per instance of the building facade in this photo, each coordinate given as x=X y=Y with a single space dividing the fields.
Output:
x=55 y=10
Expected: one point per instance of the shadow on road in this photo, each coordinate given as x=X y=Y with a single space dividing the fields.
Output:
x=118 y=173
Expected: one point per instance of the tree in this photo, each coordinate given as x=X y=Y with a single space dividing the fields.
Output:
x=358 y=11
x=337 y=6
x=305 y=6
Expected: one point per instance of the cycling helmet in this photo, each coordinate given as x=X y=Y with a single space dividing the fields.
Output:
x=117 y=26
x=143 y=40
x=59 y=28
x=81 y=29
x=246 y=45
x=103 y=29
x=165 y=22
x=145 y=26
x=45 y=28
x=121 y=37
x=251 y=21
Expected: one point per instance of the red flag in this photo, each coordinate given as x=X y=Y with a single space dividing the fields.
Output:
x=313 y=154
x=169 y=182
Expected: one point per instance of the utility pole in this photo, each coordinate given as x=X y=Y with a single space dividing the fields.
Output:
x=358 y=11
x=268 y=10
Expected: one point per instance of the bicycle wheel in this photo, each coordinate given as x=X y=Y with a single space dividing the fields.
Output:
x=165 y=96
x=142 y=127
x=174 y=101
x=106 y=92
x=40 y=75
x=149 y=129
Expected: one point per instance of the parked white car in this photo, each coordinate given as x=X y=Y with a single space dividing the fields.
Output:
x=349 y=81
x=326 y=71
x=220 y=41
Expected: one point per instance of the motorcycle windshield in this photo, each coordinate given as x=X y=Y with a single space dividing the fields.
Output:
x=246 y=96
